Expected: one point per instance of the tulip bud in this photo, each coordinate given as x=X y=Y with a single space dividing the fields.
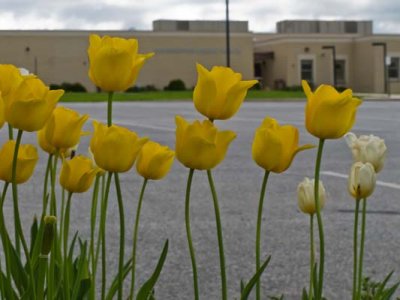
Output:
x=362 y=180
x=48 y=234
x=305 y=196
x=154 y=161
x=367 y=148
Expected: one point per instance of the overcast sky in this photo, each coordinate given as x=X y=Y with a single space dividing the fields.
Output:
x=139 y=14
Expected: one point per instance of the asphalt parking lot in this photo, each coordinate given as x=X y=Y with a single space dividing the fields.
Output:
x=238 y=180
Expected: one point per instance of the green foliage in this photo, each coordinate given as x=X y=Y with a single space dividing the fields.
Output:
x=175 y=85
x=69 y=87
x=247 y=288
x=376 y=290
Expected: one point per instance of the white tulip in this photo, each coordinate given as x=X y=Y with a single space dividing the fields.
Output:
x=305 y=196
x=367 y=148
x=362 y=180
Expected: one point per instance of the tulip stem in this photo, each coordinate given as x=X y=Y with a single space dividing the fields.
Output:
x=362 y=240
x=258 y=232
x=135 y=234
x=93 y=214
x=312 y=255
x=189 y=235
x=109 y=108
x=19 y=234
x=355 y=239
x=319 y=220
x=103 y=236
x=66 y=232
x=43 y=261
x=220 y=237
x=46 y=180
x=122 y=236
x=10 y=132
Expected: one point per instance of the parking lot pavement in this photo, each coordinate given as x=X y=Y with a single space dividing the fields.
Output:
x=238 y=180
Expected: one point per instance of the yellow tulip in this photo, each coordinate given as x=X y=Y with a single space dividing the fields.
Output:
x=219 y=93
x=114 y=62
x=10 y=78
x=200 y=145
x=329 y=114
x=77 y=174
x=275 y=146
x=154 y=161
x=26 y=162
x=62 y=131
x=1 y=111
x=30 y=104
x=115 y=148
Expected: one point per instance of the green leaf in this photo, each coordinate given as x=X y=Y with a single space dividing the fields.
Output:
x=148 y=286
x=304 y=295
x=114 y=286
x=34 y=231
x=249 y=286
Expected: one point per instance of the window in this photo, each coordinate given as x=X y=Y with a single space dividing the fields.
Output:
x=306 y=70
x=257 y=70
x=393 y=68
x=340 y=71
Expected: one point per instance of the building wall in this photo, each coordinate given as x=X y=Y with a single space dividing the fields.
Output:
x=61 y=56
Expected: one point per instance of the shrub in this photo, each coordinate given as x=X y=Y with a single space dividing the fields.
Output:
x=175 y=85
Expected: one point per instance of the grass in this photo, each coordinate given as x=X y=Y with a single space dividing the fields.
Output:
x=174 y=95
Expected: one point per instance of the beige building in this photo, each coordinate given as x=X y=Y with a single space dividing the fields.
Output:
x=298 y=50
x=307 y=50
x=61 y=56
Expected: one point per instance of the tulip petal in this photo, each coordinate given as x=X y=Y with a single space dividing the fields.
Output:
x=205 y=92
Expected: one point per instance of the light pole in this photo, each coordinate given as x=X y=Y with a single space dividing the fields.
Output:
x=385 y=72
x=228 y=46
x=333 y=48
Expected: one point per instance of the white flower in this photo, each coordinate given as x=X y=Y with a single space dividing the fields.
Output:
x=362 y=180
x=305 y=196
x=367 y=148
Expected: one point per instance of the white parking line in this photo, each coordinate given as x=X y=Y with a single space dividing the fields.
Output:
x=378 y=182
x=133 y=124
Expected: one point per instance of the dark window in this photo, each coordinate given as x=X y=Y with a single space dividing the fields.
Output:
x=350 y=27
x=307 y=70
x=257 y=70
x=340 y=71
x=393 y=68
x=182 y=25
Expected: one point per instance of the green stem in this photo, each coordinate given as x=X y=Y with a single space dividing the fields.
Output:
x=15 y=191
x=62 y=215
x=10 y=132
x=362 y=240
x=258 y=232
x=65 y=244
x=135 y=234
x=189 y=235
x=5 y=237
x=46 y=180
x=103 y=236
x=319 y=220
x=220 y=236
x=54 y=248
x=19 y=236
x=53 y=204
x=93 y=216
x=122 y=236
x=355 y=241
x=312 y=256
x=109 y=108
x=43 y=261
